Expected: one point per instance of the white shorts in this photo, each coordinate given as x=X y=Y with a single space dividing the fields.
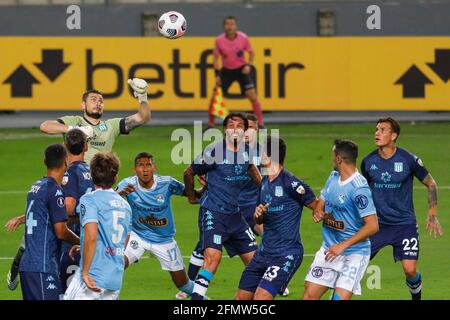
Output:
x=168 y=254
x=344 y=272
x=78 y=290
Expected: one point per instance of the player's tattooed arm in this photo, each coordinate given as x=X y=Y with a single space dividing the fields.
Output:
x=432 y=190
x=189 y=185
x=139 y=118
x=254 y=173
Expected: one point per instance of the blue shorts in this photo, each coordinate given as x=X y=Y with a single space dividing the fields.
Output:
x=67 y=268
x=40 y=286
x=247 y=212
x=269 y=273
x=403 y=238
x=228 y=230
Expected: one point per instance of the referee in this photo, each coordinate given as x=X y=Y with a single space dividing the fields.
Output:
x=231 y=47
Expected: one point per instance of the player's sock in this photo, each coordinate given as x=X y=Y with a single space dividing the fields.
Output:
x=195 y=264
x=335 y=296
x=258 y=112
x=415 y=286
x=13 y=274
x=202 y=282
x=188 y=287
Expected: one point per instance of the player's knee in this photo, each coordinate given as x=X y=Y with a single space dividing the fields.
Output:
x=307 y=295
x=410 y=271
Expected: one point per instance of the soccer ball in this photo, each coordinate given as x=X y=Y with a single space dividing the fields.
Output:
x=172 y=25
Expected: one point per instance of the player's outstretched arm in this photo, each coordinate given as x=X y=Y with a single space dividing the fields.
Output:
x=369 y=228
x=14 y=223
x=65 y=234
x=433 y=225
x=254 y=173
x=53 y=127
x=189 y=185
x=89 y=246
x=143 y=115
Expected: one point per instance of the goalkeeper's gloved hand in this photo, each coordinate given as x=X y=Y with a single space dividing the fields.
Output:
x=140 y=88
x=87 y=130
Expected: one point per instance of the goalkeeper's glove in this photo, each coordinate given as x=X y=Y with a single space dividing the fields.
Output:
x=140 y=88
x=87 y=130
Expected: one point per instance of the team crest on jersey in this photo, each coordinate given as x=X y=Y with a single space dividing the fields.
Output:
x=257 y=161
x=65 y=179
x=102 y=126
x=341 y=197
x=160 y=198
x=398 y=166
x=245 y=156
x=278 y=191
x=317 y=272
x=134 y=244
x=60 y=201
x=386 y=177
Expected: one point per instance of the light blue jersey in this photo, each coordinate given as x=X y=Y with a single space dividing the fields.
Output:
x=113 y=216
x=152 y=210
x=346 y=204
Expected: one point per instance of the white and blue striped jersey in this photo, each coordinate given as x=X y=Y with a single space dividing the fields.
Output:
x=113 y=216
x=346 y=204
x=152 y=210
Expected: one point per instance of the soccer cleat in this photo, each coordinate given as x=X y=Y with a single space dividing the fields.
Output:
x=285 y=292
x=12 y=280
x=181 y=295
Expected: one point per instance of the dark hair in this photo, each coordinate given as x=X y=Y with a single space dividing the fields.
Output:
x=395 y=125
x=75 y=140
x=104 y=169
x=55 y=156
x=273 y=154
x=235 y=115
x=86 y=94
x=347 y=149
x=142 y=155
x=251 y=117
x=229 y=18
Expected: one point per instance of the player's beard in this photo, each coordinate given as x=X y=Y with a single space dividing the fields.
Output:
x=95 y=115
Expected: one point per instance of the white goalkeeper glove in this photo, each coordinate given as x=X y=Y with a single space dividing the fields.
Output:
x=87 y=130
x=140 y=88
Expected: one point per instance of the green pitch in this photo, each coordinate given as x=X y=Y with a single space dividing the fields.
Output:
x=308 y=156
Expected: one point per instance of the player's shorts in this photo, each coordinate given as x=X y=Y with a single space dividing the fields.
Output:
x=228 y=76
x=343 y=272
x=67 y=268
x=404 y=240
x=228 y=230
x=168 y=254
x=247 y=212
x=40 y=286
x=78 y=290
x=270 y=273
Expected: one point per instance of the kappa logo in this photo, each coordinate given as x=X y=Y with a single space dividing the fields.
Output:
x=58 y=193
x=294 y=184
x=50 y=278
x=51 y=286
x=374 y=167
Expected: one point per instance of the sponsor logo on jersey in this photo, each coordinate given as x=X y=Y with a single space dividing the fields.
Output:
x=97 y=143
x=330 y=222
x=385 y=177
x=152 y=221
x=115 y=251
x=398 y=166
x=278 y=191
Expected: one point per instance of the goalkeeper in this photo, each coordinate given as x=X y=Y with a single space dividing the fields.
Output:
x=101 y=135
